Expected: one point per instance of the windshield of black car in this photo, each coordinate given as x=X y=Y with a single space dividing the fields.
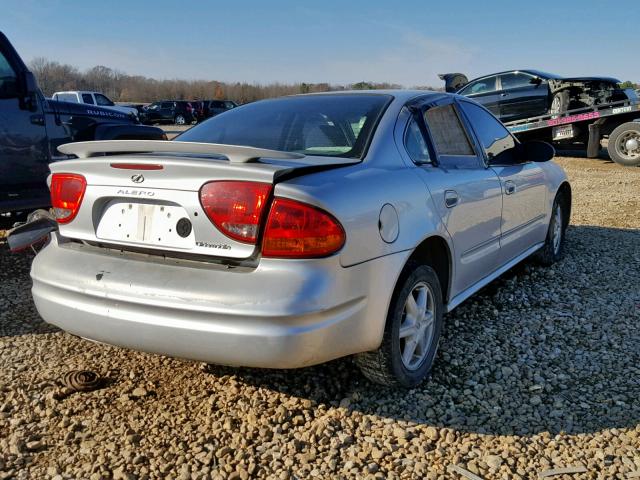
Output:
x=337 y=125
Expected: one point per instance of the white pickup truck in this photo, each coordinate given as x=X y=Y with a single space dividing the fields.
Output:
x=92 y=98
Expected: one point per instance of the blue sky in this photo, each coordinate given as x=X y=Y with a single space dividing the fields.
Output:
x=406 y=42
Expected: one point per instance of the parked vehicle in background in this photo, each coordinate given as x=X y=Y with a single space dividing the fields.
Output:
x=211 y=108
x=178 y=112
x=519 y=94
x=296 y=230
x=139 y=107
x=92 y=98
x=32 y=127
x=198 y=109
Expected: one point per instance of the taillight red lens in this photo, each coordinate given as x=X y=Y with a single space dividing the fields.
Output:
x=235 y=207
x=298 y=230
x=67 y=190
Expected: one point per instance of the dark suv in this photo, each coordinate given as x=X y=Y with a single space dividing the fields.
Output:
x=174 y=111
x=211 y=108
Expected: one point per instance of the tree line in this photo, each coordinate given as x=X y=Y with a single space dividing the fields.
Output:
x=53 y=77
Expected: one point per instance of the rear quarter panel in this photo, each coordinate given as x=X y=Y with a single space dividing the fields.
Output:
x=355 y=195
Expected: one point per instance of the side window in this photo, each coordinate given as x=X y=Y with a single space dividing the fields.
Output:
x=8 y=79
x=497 y=142
x=484 y=85
x=166 y=105
x=515 y=80
x=67 y=97
x=103 y=101
x=87 y=98
x=415 y=143
x=448 y=134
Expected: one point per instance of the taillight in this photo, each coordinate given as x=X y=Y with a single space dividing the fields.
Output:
x=298 y=230
x=235 y=207
x=67 y=190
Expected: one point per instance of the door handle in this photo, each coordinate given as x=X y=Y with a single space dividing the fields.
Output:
x=504 y=94
x=451 y=198
x=509 y=187
x=37 y=119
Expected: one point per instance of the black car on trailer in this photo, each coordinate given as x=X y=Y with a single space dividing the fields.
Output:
x=517 y=94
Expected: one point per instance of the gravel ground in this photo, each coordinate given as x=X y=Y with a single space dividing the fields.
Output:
x=538 y=374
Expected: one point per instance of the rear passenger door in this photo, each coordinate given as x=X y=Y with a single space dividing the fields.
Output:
x=524 y=222
x=465 y=192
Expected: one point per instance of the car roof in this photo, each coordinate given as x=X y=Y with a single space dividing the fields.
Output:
x=78 y=91
x=531 y=71
x=398 y=94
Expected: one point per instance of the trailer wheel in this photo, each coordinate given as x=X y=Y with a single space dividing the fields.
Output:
x=560 y=102
x=624 y=144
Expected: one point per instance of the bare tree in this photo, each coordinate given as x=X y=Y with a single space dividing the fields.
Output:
x=120 y=87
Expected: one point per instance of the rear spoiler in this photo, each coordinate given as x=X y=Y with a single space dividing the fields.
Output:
x=453 y=81
x=235 y=153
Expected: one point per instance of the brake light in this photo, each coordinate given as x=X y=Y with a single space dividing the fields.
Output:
x=136 y=166
x=297 y=230
x=235 y=207
x=67 y=190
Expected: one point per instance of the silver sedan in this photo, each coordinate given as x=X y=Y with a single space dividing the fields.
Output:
x=293 y=231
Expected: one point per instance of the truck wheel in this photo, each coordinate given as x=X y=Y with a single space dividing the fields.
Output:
x=559 y=103
x=180 y=120
x=624 y=144
x=412 y=331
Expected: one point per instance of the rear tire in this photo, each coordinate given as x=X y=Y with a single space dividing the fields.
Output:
x=559 y=103
x=180 y=119
x=553 y=249
x=412 y=331
x=624 y=144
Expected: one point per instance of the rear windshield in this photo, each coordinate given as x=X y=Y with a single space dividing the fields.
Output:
x=338 y=125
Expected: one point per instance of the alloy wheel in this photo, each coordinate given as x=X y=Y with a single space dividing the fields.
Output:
x=417 y=326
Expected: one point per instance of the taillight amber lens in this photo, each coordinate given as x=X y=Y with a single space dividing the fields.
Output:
x=297 y=230
x=67 y=191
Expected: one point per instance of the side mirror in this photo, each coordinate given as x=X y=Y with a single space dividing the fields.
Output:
x=29 y=94
x=537 y=151
x=536 y=81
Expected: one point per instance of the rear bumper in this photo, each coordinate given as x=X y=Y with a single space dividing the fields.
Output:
x=282 y=314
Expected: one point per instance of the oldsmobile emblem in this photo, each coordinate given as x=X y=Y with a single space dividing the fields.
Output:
x=137 y=178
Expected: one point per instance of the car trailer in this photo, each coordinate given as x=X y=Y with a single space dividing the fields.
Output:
x=586 y=127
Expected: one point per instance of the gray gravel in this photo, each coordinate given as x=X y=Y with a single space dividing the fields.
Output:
x=537 y=376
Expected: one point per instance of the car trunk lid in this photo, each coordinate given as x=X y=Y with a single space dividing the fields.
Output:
x=151 y=201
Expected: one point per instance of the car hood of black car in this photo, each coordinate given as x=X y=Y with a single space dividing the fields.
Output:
x=590 y=79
